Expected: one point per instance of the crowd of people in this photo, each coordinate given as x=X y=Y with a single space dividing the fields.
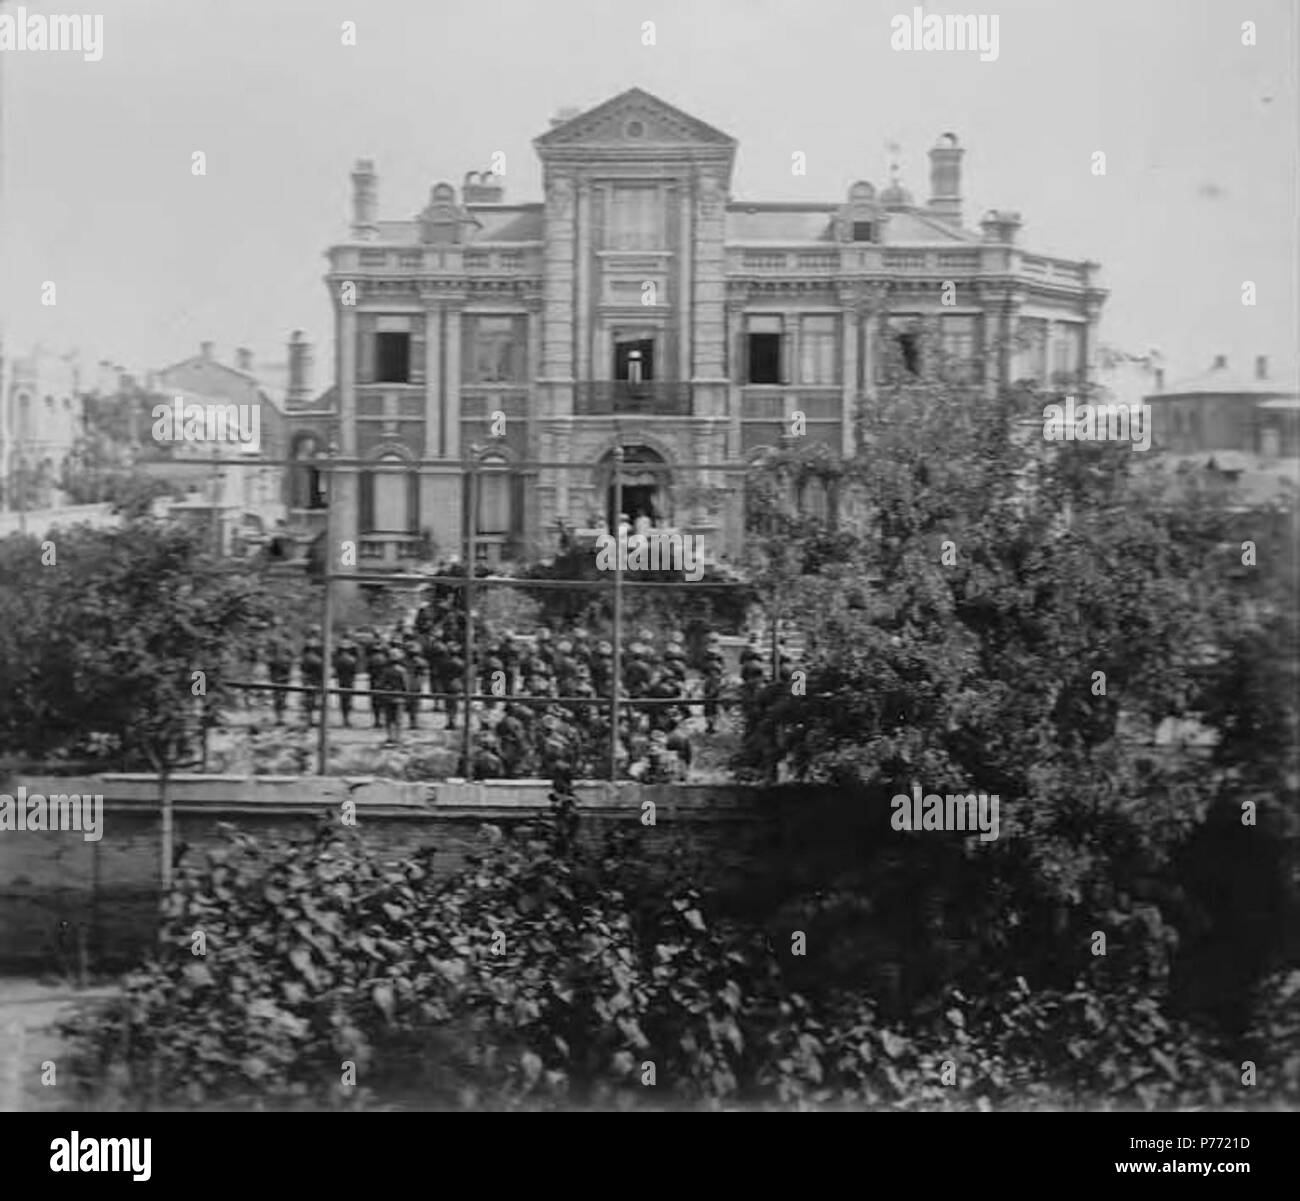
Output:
x=543 y=707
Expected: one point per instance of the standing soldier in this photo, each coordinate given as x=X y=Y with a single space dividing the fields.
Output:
x=312 y=670
x=345 y=668
x=391 y=681
x=454 y=666
x=279 y=665
x=376 y=664
x=416 y=669
x=751 y=667
x=714 y=669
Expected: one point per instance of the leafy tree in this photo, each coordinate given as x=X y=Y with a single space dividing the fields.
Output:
x=1010 y=616
x=119 y=647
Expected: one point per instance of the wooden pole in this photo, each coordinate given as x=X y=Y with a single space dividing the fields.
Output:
x=618 y=614
x=471 y=526
x=327 y=623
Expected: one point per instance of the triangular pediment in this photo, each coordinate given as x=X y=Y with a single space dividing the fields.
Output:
x=631 y=119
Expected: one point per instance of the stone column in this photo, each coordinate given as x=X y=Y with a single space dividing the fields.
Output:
x=708 y=310
x=348 y=380
x=686 y=233
x=558 y=294
x=848 y=375
x=433 y=382
x=583 y=315
x=988 y=323
x=1010 y=328
x=344 y=517
x=451 y=446
x=736 y=371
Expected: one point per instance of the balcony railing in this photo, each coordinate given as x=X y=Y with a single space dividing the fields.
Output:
x=655 y=398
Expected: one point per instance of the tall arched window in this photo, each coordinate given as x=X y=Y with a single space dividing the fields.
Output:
x=390 y=498
x=494 y=496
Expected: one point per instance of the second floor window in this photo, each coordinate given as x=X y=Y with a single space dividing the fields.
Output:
x=495 y=357
x=765 y=350
x=958 y=344
x=392 y=358
x=1035 y=350
x=635 y=219
x=390 y=349
x=817 y=351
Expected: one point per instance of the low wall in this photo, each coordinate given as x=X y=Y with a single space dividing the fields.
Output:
x=39 y=522
x=57 y=887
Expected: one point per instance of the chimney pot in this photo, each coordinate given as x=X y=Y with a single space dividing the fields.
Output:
x=205 y=348
x=1160 y=379
x=1261 y=366
x=244 y=359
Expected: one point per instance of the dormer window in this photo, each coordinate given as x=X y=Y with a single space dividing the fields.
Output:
x=864 y=231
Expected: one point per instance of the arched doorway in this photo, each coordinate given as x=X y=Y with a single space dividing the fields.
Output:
x=647 y=487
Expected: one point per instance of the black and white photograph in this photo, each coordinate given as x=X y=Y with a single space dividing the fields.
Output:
x=650 y=556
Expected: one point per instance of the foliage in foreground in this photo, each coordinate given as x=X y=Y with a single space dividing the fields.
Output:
x=554 y=971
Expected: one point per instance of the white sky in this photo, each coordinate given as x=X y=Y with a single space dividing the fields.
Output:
x=1200 y=135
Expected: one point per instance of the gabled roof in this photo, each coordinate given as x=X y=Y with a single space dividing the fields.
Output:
x=607 y=123
x=211 y=379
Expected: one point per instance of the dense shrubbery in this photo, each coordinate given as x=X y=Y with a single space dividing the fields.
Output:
x=551 y=971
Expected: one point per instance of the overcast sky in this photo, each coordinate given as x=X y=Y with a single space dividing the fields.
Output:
x=1199 y=132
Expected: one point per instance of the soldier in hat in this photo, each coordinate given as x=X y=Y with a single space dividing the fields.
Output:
x=454 y=666
x=279 y=667
x=312 y=669
x=417 y=668
x=715 y=667
x=391 y=681
x=345 y=669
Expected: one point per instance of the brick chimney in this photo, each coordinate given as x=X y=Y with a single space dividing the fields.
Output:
x=365 y=185
x=300 y=371
x=244 y=359
x=1160 y=379
x=1220 y=362
x=1261 y=366
x=945 y=179
x=482 y=188
x=205 y=349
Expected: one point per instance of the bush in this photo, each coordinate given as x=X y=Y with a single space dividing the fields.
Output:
x=561 y=970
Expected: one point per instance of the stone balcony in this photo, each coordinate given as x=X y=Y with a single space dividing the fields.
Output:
x=654 y=398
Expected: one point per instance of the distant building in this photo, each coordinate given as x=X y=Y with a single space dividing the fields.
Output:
x=40 y=422
x=242 y=503
x=1127 y=377
x=1227 y=410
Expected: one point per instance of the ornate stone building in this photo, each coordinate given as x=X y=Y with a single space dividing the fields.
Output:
x=640 y=305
